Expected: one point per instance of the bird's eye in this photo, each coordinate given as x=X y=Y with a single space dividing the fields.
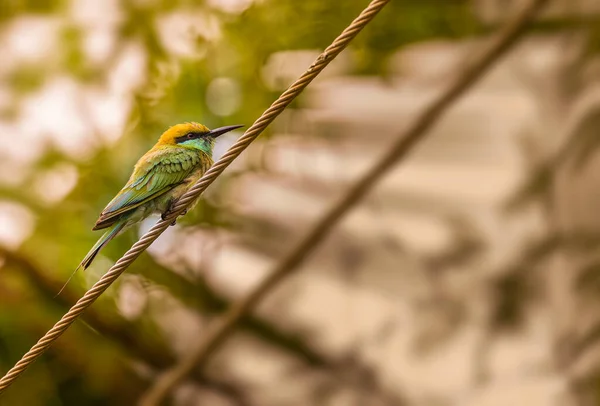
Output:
x=189 y=136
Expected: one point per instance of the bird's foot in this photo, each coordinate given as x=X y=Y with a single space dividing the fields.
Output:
x=168 y=213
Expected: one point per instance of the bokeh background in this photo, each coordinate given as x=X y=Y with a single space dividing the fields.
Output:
x=470 y=276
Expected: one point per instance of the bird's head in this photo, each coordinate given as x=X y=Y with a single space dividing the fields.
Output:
x=193 y=135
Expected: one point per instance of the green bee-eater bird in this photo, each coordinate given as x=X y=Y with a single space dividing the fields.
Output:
x=160 y=177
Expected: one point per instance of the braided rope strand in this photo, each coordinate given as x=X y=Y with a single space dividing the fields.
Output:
x=249 y=136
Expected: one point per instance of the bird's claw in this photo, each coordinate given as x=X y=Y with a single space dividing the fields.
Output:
x=168 y=213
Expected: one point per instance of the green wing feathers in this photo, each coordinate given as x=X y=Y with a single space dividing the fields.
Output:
x=155 y=174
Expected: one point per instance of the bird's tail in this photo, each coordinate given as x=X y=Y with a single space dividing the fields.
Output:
x=89 y=258
x=106 y=237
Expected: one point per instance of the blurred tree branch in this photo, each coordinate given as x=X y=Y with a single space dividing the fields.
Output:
x=199 y=295
x=555 y=23
x=219 y=332
x=579 y=143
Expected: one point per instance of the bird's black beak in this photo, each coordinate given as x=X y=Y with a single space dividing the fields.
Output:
x=222 y=130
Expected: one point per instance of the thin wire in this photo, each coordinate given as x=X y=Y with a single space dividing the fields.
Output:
x=218 y=332
x=250 y=135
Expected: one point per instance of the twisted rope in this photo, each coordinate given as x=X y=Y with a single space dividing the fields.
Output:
x=218 y=332
x=250 y=135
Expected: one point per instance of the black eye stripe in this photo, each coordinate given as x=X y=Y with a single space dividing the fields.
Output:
x=189 y=136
